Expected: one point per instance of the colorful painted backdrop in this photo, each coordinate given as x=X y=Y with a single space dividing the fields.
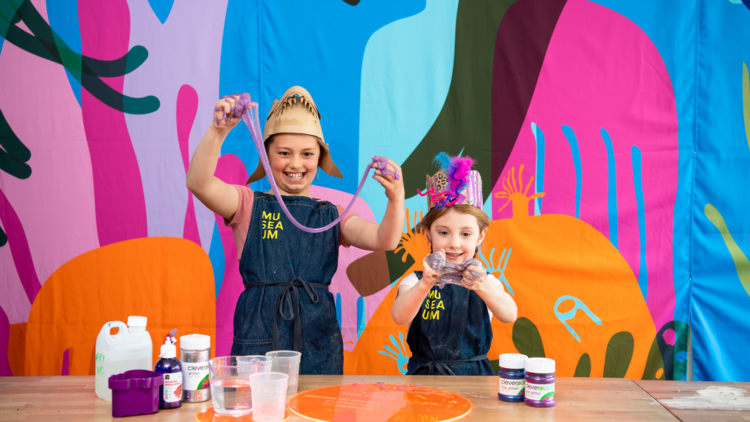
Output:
x=613 y=138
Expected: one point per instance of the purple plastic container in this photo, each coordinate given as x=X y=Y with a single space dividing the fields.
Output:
x=135 y=393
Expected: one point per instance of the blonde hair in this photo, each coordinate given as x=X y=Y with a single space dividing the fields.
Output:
x=482 y=220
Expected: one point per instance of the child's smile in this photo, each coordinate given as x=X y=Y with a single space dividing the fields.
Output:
x=456 y=235
x=294 y=162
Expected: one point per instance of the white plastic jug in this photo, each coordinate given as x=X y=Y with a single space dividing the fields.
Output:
x=129 y=349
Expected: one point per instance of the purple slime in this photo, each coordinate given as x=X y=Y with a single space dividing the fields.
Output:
x=452 y=273
x=248 y=109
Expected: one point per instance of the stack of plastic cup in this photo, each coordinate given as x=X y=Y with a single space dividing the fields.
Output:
x=287 y=362
x=230 y=383
x=269 y=396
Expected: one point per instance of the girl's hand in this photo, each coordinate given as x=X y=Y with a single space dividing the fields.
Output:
x=394 y=188
x=429 y=276
x=474 y=277
x=225 y=118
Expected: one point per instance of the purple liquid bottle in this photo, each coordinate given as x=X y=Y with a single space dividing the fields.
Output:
x=170 y=392
x=540 y=382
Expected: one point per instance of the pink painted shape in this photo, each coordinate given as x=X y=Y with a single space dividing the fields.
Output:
x=187 y=107
x=66 y=362
x=231 y=170
x=59 y=216
x=4 y=340
x=340 y=282
x=602 y=71
x=670 y=336
x=14 y=301
x=118 y=189
x=193 y=30
x=19 y=248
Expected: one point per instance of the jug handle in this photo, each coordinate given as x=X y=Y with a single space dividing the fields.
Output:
x=123 y=329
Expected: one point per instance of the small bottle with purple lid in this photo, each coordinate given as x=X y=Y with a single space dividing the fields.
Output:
x=511 y=374
x=540 y=382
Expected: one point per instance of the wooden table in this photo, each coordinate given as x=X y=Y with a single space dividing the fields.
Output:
x=70 y=398
x=683 y=400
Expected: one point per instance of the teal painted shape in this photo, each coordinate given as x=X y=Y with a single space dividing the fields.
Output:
x=406 y=72
x=361 y=320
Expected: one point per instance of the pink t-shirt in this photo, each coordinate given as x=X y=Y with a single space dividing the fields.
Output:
x=241 y=221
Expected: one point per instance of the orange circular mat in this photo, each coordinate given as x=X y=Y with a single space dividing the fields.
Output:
x=209 y=415
x=379 y=402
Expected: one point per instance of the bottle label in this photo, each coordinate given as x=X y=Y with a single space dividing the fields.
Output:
x=540 y=392
x=173 y=387
x=512 y=387
x=195 y=376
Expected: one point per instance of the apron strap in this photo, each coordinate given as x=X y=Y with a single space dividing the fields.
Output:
x=292 y=312
x=443 y=367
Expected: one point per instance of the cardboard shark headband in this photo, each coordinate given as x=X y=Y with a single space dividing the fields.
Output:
x=455 y=183
x=295 y=113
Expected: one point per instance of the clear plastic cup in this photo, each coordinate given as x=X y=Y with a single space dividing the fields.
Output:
x=252 y=364
x=230 y=384
x=269 y=396
x=287 y=362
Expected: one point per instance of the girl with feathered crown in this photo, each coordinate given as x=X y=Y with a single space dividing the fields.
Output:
x=449 y=326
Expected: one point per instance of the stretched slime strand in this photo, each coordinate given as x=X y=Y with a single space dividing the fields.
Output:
x=248 y=109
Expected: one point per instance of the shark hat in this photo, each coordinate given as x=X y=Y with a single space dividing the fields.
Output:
x=296 y=112
x=455 y=183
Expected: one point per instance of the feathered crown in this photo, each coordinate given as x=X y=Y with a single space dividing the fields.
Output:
x=455 y=183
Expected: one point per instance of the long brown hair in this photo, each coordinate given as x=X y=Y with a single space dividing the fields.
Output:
x=482 y=220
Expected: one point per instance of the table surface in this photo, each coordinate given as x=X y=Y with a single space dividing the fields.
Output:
x=684 y=399
x=72 y=398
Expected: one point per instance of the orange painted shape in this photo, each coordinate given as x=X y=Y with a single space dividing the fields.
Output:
x=168 y=280
x=379 y=402
x=209 y=415
x=17 y=349
x=558 y=255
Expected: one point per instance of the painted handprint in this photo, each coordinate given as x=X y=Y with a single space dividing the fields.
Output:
x=401 y=356
x=516 y=193
x=498 y=272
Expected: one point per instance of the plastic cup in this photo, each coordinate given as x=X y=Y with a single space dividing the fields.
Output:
x=287 y=362
x=252 y=364
x=230 y=384
x=269 y=396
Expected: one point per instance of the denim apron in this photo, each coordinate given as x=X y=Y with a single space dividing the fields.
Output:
x=286 y=304
x=451 y=334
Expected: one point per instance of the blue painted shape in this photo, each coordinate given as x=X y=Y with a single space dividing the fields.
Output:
x=682 y=356
x=338 y=308
x=63 y=18
x=746 y=3
x=539 y=180
x=216 y=256
x=399 y=355
x=611 y=189
x=564 y=317
x=576 y=153
x=676 y=39
x=502 y=264
x=361 y=322
x=240 y=72
x=406 y=72
x=271 y=46
x=161 y=8
x=640 y=205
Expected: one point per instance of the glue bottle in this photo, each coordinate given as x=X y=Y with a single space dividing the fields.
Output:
x=170 y=392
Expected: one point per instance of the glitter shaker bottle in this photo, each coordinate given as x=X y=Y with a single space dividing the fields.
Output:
x=512 y=377
x=195 y=352
x=540 y=382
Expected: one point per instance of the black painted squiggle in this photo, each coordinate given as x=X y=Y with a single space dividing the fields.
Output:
x=88 y=71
